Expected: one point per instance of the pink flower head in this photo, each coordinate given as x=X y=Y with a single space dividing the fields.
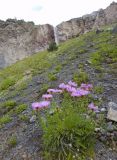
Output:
x=72 y=84
x=93 y=107
x=70 y=89
x=40 y=105
x=82 y=92
x=45 y=103
x=47 y=96
x=89 y=86
x=67 y=87
x=86 y=86
x=58 y=91
x=62 y=86
x=36 y=105
x=75 y=94
x=51 y=91
x=54 y=91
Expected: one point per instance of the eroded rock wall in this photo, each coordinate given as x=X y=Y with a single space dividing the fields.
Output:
x=19 y=39
x=77 y=26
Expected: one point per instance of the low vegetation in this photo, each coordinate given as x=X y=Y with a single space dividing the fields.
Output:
x=12 y=142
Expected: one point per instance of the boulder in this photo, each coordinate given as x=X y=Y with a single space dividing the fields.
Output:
x=112 y=111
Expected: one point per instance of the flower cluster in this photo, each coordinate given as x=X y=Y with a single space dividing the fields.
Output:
x=93 y=107
x=40 y=105
x=72 y=88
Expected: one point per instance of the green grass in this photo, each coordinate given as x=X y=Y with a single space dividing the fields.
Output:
x=52 y=77
x=24 y=118
x=98 y=89
x=5 y=119
x=7 y=83
x=20 y=108
x=67 y=132
x=12 y=142
x=80 y=77
x=43 y=89
x=7 y=106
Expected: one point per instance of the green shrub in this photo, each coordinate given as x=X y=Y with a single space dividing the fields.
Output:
x=5 y=119
x=58 y=68
x=7 y=83
x=7 y=106
x=52 y=47
x=20 y=108
x=24 y=118
x=12 y=142
x=67 y=133
x=96 y=58
x=52 y=77
x=80 y=77
x=98 y=89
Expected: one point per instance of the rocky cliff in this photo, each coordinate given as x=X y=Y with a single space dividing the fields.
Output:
x=77 y=26
x=19 y=39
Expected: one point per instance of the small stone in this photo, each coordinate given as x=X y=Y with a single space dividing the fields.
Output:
x=33 y=119
x=108 y=134
x=103 y=131
x=110 y=127
x=103 y=109
x=112 y=111
x=103 y=138
x=97 y=129
x=24 y=156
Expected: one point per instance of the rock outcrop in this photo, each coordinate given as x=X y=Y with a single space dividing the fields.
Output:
x=19 y=39
x=77 y=26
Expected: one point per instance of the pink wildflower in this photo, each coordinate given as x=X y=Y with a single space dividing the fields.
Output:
x=40 y=105
x=62 y=86
x=75 y=94
x=58 y=91
x=70 y=89
x=54 y=91
x=72 y=84
x=51 y=91
x=36 y=105
x=47 y=96
x=45 y=103
x=86 y=86
x=93 y=107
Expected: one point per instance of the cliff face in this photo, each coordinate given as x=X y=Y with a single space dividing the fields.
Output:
x=19 y=39
x=77 y=26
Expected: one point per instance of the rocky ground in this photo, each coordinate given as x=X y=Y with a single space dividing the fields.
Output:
x=28 y=145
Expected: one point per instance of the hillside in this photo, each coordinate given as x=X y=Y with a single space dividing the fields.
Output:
x=89 y=58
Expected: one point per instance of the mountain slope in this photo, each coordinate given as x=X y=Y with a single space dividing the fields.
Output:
x=90 y=57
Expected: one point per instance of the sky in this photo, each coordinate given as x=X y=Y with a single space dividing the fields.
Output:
x=49 y=11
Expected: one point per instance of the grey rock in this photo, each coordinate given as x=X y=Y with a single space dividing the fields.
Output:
x=86 y=23
x=97 y=129
x=114 y=30
x=112 y=111
x=33 y=119
x=103 y=138
x=110 y=126
x=20 y=40
x=103 y=109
